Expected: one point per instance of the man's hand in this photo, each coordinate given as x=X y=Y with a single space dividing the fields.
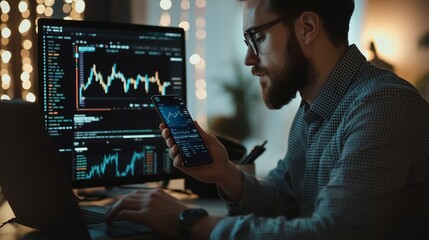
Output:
x=154 y=208
x=221 y=171
x=210 y=173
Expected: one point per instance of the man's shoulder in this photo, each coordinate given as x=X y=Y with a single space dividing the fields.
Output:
x=380 y=94
x=374 y=82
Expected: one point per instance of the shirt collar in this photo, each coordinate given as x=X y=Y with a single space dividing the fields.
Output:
x=337 y=85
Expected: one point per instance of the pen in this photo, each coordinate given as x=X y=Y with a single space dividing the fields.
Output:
x=254 y=154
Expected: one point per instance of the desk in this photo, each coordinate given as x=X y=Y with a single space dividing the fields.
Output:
x=215 y=207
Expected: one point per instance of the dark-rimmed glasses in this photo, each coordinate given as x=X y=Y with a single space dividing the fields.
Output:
x=249 y=34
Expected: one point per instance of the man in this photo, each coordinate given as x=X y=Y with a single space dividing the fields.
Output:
x=357 y=165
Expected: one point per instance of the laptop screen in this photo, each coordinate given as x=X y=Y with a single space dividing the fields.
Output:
x=95 y=84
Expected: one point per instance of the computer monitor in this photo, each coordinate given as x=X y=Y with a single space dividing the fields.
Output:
x=95 y=84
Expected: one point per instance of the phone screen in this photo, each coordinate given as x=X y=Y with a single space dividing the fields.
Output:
x=174 y=114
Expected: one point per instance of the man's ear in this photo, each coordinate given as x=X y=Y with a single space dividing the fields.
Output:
x=309 y=25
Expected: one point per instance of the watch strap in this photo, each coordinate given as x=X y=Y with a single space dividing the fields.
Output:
x=187 y=218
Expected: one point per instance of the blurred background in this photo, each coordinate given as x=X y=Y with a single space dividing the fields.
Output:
x=222 y=94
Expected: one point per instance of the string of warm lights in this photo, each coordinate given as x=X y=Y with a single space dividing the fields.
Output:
x=197 y=59
x=27 y=45
x=185 y=5
x=165 y=16
x=18 y=41
x=6 y=55
x=72 y=9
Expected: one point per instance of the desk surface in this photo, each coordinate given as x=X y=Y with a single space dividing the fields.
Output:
x=215 y=207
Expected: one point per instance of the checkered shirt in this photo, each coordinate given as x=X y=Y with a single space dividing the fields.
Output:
x=357 y=165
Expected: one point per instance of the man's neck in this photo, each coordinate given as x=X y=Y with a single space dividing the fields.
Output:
x=323 y=64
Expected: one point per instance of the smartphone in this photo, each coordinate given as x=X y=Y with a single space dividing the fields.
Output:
x=175 y=115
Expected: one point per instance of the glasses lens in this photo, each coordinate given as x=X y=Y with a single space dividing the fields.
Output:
x=250 y=43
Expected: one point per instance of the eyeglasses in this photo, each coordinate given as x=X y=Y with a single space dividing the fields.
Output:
x=249 y=34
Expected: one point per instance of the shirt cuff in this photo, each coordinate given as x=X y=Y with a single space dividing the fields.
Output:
x=225 y=198
x=223 y=228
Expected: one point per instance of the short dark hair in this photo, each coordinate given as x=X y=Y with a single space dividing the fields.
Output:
x=334 y=14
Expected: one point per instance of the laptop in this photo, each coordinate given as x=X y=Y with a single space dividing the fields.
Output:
x=34 y=181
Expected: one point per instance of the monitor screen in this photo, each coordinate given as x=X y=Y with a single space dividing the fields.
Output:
x=95 y=84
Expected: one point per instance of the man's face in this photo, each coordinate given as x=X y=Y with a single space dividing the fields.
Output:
x=281 y=65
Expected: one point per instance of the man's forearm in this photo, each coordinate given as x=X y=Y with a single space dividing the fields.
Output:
x=232 y=183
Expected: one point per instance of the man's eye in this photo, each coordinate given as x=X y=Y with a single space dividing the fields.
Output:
x=260 y=39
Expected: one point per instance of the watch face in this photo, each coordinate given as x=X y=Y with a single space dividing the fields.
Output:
x=191 y=215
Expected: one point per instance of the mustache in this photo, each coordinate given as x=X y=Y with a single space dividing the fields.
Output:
x=257 y=70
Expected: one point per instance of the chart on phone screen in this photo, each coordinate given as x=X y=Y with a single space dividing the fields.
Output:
x=174 y=115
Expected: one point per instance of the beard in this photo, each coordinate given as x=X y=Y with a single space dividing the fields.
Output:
x=295 y=76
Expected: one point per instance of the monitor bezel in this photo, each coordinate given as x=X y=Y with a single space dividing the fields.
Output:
x=77 y=184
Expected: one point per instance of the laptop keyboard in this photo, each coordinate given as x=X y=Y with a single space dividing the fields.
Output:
x=94 y=217
x=93 y=214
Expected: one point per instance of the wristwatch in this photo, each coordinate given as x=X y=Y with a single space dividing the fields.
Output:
x=189 y=217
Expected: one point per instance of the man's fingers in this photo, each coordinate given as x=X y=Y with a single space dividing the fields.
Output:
x=128 y=203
